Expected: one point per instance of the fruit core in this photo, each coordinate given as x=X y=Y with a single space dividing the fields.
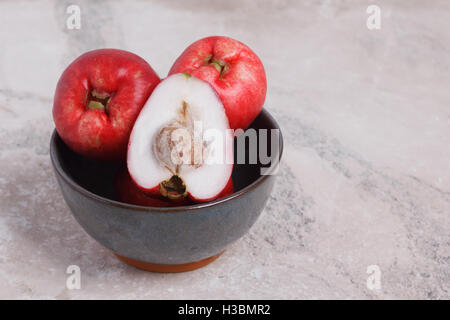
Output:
x=174 y=146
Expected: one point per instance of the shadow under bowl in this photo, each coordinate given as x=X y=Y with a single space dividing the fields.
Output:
x=157 y=239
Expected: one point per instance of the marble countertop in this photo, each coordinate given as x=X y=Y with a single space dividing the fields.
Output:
x=364 y=186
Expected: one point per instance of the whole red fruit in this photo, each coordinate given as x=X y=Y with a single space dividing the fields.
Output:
x=97 y=100
x=233 y=70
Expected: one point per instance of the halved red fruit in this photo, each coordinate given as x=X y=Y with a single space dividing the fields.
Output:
x=181 y=144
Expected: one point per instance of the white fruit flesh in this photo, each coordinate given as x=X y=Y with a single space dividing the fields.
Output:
x=177 y=105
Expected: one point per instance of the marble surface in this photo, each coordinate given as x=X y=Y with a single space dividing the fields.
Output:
x=365 y=178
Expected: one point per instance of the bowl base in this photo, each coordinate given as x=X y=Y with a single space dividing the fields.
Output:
x=168 y=268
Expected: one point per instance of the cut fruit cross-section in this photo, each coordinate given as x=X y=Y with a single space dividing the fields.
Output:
x=181 y=144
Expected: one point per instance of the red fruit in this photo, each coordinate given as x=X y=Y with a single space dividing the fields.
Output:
x=181 y=144
x=228 y=190
x=98 y=99
x=127 y=191
x=235 y=72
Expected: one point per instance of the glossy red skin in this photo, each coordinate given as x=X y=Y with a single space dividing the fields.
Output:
x=98 y=134
x=127 y=191
x=242 y=88
x=228 y=190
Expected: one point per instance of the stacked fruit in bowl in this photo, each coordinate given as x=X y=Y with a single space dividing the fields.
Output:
x=147 y=166
x=110 y=105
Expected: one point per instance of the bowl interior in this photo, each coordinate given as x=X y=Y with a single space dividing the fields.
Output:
x=82 y=170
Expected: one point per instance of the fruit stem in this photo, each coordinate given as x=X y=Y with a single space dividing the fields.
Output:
x=96 y=105
x=100 y=95
x=221 y=66
x=217 y=66
x=98 y=100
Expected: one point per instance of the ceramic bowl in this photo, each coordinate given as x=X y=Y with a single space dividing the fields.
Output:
x=162 y=239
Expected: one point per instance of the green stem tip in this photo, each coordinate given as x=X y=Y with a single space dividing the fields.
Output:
x=96 y=105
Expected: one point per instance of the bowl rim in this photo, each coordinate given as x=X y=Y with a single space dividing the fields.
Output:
x=61 y=172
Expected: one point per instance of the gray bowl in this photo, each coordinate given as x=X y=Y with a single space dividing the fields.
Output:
x=161 y=239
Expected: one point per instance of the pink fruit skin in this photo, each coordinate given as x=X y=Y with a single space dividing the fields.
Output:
x=95 y=133
x=242 y=85
x=127 y=191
